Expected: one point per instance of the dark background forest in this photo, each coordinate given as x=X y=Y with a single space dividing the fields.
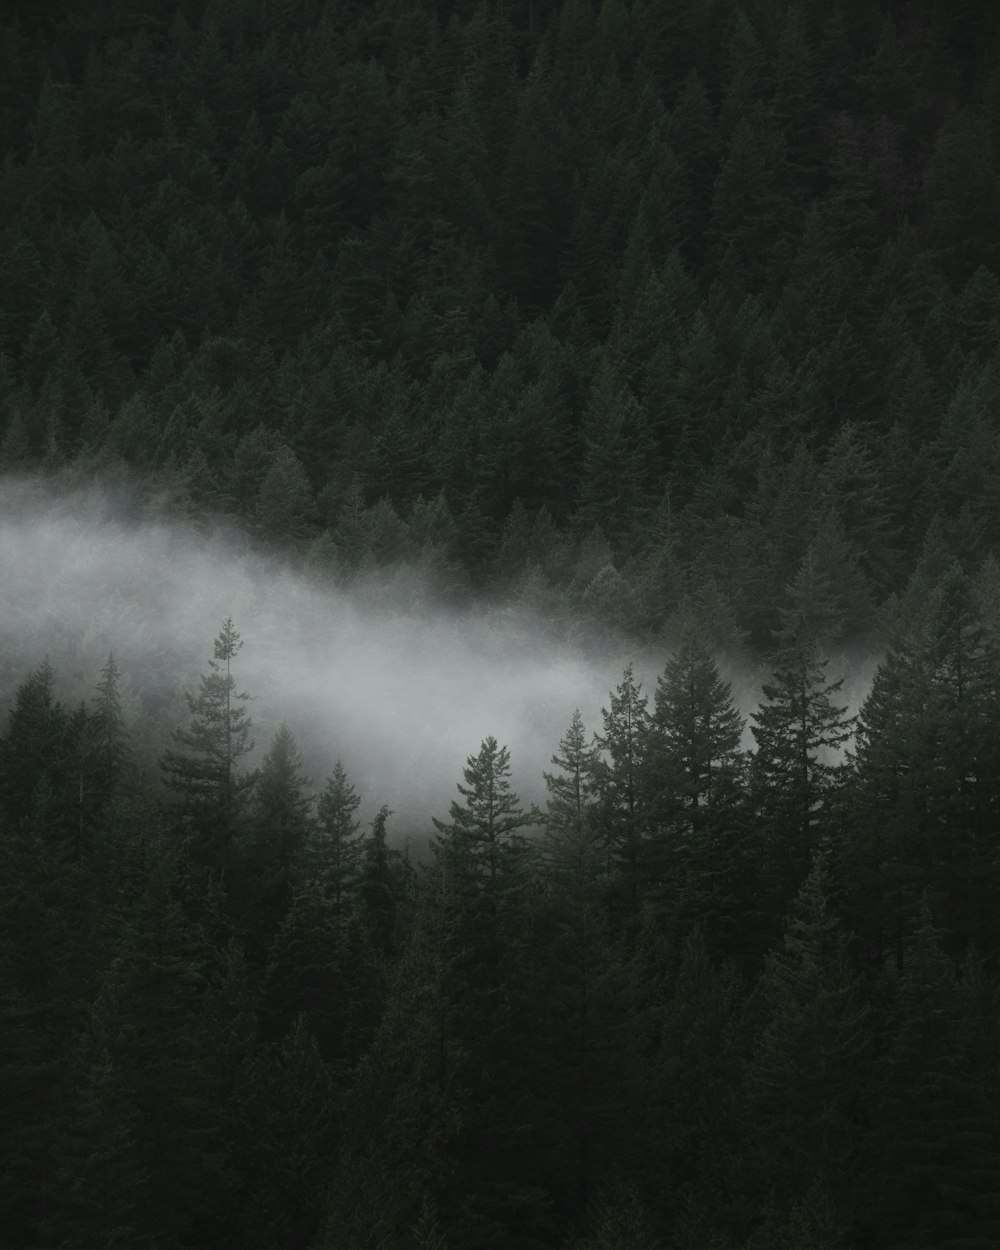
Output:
x=678 y=321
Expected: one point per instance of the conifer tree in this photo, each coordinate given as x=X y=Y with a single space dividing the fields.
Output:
x=140 y=1129
x=695 y=730
x=274 y=830
x=381 y=884
x=796 y=730
x=36 y=754
x=284 y=508
x=924 y=778
x=203 y=770
x=571 y=844
x=47 y=916
x=480 y=847
x=303 y=976
x=934 y=1142
x=292 y=1130
x=808 y=1079
x=694 y=776
x=577 y=987
x=332 y=854
x=622 y=811
x=110 y=749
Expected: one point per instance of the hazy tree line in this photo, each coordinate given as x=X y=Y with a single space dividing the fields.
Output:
x=605 y=306
x=711 y=995
x=678 y=318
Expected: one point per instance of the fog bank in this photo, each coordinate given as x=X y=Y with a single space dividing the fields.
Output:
x=402 y=692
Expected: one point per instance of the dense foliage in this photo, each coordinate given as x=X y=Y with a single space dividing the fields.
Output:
x=609 y=306
x=712 y=995
x=678 y=319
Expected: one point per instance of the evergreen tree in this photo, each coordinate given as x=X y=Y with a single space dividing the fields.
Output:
x=577 y=988
x=621 y=807
x=480 y=847
x=332 y=854
x=380 y=889
x=923 y=780
x=694 y=778
x=110 y=749
x=934 y=1141
x=203 y=770
x=284 y=507
x=571 y=842
x=792 y=771
x=808 y=1077
x=303 y=976
x=274 y=830
x=141 y=1126
x=292 y=1132
x=47 y=919
x=684 y=1079
x=36 y=755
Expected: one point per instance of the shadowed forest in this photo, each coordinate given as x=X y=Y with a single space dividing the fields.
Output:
x=675 y=324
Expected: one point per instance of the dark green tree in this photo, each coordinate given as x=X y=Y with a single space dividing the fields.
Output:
x=622 y=810
x=141 y=1123
x=480 y=847
x=273 y=832
x=809 y=1076
x=110 y=751
x=203 y=769
x=694 y=777
x=332 y=854
x=797 y=731
x=37 y=754
x=933 y=1141
x=571 y=843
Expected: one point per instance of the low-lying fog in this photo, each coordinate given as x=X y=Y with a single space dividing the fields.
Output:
x=403 y=692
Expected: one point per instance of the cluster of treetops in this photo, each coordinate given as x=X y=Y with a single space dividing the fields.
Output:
x=726 y=990
x=600 y=305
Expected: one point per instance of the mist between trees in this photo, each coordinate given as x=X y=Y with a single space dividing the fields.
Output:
x=382 y=672
x=278 y=910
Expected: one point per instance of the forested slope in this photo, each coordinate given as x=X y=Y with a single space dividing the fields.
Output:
x=678 y=320
x=709 y=996
x=608 y=305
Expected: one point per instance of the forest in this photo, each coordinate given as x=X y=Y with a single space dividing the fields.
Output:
x=675 y=324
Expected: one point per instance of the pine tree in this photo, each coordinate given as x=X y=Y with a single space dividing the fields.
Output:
x=203 y=770
x=577 y=992
x=141 y=1124
x=696 y=730
x=621 y=808
x=571 y=842
x=694 y=776
x=792 y=773
x=292 y=1135
x=828 y=601
x=303 y=976
x=380 y=890
x=36 y=754
x=614 y=490
x=808 y=1079
x=110 y=749
x=47 y=918
x=332 y=854
x=934 y=1142
x=284 y=508
x=480 y=846
x=923 y=786
x=274 y=830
